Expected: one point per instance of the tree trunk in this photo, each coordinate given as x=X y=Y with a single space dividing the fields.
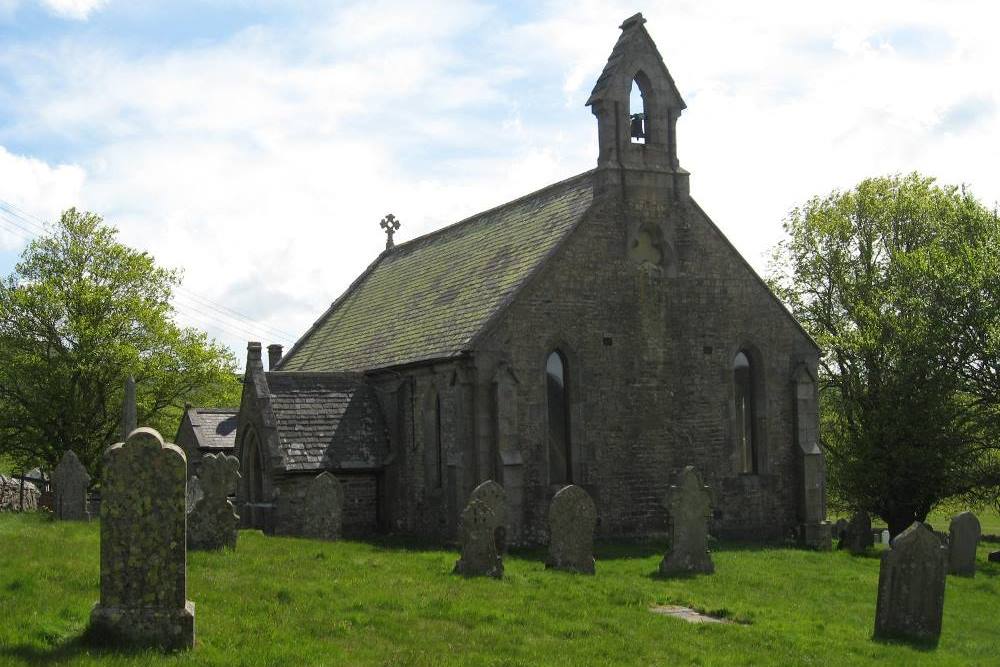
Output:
x=899 y=520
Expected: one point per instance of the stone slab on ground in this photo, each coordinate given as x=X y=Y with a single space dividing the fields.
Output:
x=687 y=614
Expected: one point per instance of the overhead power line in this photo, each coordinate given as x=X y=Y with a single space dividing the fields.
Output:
x=221 y=317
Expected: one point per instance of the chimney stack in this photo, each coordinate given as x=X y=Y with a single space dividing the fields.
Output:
x=273 y=355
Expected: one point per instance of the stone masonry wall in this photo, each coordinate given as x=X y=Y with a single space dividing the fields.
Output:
x=650 y=354
x=360 y=503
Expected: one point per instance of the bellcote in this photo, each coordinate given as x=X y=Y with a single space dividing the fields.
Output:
x=642 y=139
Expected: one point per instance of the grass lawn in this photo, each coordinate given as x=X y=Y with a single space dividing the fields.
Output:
x=282 y=601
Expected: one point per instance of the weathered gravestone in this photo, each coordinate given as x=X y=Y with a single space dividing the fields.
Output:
x=689 y=504
x=994 y=557
x=963 y=538
x=70 y=482
x=858 y=537
x=493 y=495
x=911 y=587
x=323 y=512
x=572 y=517
x=212 y=522
x=480 y=556
x=143 y=552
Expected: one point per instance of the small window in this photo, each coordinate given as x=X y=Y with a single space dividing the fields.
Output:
x=557 y=385
x=745 y=436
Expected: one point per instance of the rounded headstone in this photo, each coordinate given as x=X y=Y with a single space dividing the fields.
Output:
x=572 y=518
x=963 y=538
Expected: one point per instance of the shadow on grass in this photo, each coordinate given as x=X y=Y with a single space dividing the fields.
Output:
x=924 y=645
x=89 y=643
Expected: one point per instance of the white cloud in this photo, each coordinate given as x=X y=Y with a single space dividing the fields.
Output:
x=37 y=188
x=262 y=163
x=77 y=10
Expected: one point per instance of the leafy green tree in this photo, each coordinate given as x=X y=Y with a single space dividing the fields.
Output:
x=898 y=280
x=80 y=313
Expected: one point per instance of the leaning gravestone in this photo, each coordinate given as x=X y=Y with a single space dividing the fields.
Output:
x=858 y=536
x=494 y=495
x=143 y=547
x=324 y=508
x=963 y=538
x=689 y=504
x=70 y=481
x=212 y=522
x=572 y=517
x=911 y=587
x=480 y=556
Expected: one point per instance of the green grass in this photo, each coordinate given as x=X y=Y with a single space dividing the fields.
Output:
x=282 y=601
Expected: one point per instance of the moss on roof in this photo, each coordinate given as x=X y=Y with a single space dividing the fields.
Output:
x=427 y=299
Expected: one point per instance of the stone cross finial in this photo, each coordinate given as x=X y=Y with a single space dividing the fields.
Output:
x=391 y=225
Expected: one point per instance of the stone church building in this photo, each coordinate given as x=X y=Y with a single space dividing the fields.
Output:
x=600 y=331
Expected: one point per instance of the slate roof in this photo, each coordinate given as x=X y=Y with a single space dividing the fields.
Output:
x=214 y=428
x=429 y=297
x=327 y=421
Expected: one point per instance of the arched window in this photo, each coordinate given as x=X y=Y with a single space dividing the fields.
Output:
x=746 y=441
x=638 y=119
x=557 y=385
x=433 y=440
x=438 y=445
x=254 y=473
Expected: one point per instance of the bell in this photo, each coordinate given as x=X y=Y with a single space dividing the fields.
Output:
x=638 y=121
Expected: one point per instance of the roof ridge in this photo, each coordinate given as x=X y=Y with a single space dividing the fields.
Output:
x=214 y=410
x=475 y=216
x=340 y=375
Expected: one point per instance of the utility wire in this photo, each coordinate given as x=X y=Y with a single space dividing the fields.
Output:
x=26 y=225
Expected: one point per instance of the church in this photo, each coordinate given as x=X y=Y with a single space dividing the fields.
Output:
x=601 y=331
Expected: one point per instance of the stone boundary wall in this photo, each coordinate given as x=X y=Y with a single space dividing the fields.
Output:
x=10 y=495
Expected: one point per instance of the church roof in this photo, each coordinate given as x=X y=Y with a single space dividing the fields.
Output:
x=428 y=298
x=214 y=428
x=329 y=421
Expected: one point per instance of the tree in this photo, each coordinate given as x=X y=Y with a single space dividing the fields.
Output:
x=80 y=313
x=898 y=281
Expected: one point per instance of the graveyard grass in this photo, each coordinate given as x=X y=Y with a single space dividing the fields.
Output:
x=285 y=601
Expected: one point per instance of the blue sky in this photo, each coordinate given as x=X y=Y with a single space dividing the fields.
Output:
x=256 y=145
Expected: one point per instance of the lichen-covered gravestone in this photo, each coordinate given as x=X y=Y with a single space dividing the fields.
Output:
x=963 y=538
x=70 y=481
x=572 y=517
x=322 y=516
x=212 y=521
x=494 y=495
x=858 y=536
x=143 y=552
x=911 y=587
x=689 y=504
x=480 y=556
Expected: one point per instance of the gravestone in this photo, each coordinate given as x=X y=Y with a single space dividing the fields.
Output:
x=911 y=587
x=572 y=517
x=322 y=516
x=143 y=546
x=212 y=521
x=963 y=538
x=494 y=495
x=839 y=529
x=70 y=482
x=477 y=530
x=994 y=557
x=858 y=536
x=129 y=409
x=689 y=504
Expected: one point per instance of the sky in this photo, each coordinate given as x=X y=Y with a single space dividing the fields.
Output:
x=256 y=145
